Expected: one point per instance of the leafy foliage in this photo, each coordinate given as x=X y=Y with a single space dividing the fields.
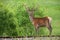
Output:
x=7 y=22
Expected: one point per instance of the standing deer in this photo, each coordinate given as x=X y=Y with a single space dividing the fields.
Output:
x=39 y=22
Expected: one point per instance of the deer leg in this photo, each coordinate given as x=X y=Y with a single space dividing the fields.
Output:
x=37 y=29
x=49 y=28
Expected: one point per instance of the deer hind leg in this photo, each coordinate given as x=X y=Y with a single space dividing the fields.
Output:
x=49 y=28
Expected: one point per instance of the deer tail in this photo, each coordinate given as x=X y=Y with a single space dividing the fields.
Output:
x=50 y=19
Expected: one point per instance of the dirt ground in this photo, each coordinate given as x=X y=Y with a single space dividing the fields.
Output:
x=32 y=38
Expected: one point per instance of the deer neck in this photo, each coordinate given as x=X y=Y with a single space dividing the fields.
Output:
x=31 y=17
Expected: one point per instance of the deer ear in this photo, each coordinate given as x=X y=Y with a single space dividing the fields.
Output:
x=24 y=4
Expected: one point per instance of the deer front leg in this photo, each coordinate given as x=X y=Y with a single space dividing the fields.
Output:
x=37 y=29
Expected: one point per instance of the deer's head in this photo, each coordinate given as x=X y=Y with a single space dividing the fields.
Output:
x=29 y=10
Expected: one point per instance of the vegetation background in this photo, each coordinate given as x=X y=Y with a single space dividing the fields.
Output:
x=14 y=20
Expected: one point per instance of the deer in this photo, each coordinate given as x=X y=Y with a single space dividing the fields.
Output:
x=39 y=22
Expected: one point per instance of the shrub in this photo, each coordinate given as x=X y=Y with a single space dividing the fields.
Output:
x=8 y=22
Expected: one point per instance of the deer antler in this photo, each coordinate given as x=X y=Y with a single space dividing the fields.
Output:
x=37 y=6
x=30 y=10
x=27 y=8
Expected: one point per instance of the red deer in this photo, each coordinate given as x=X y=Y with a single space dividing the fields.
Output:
x=39 y=22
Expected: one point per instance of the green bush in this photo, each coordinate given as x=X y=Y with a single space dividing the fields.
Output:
x=8 y=22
